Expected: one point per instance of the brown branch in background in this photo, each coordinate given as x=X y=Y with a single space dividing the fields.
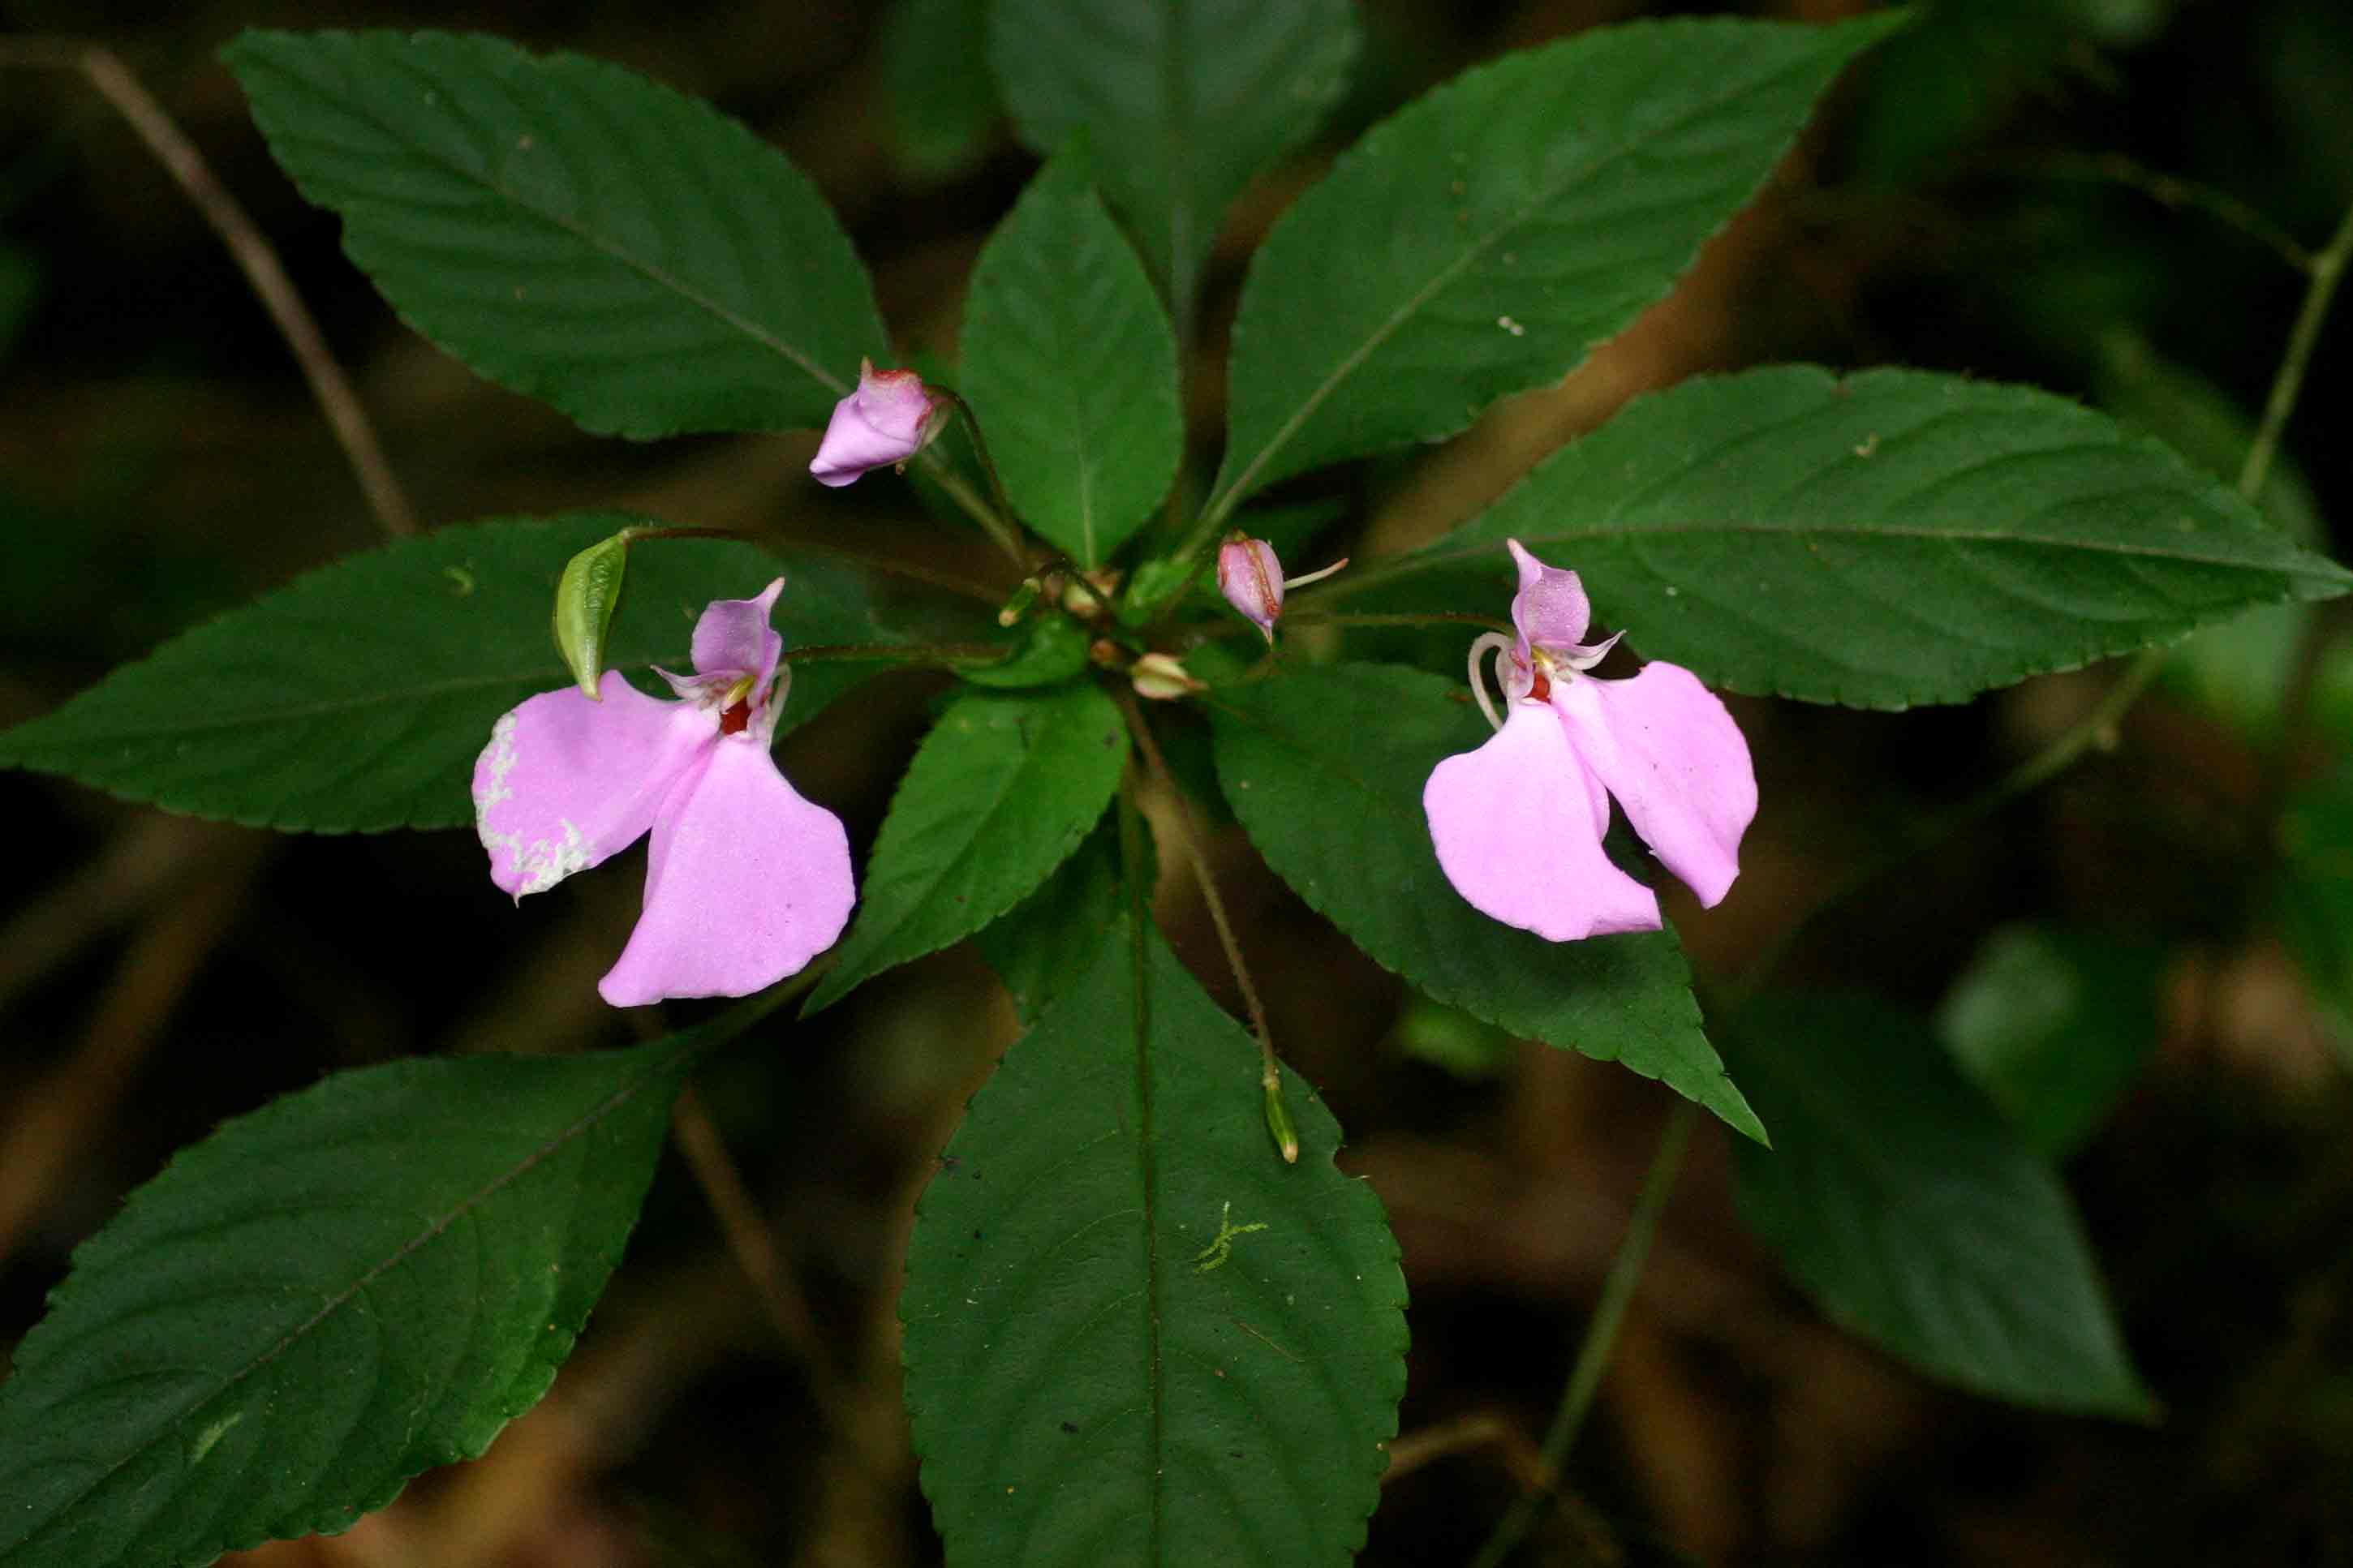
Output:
x=56 y=1113
x=252 y=253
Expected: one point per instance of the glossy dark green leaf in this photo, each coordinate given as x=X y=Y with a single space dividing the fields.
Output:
x=2052 y=1024
x=1886 y=539
x=1186 y=100
x=1908 y=1208
x=1324 y=766
x=357 y=697
x=1002 y=791
x=322 y=1298
x=1133 y=1335
x=571 y=230
x=1047 y=942
x=1489 y=237
x=1069 y=367
x=943 y=112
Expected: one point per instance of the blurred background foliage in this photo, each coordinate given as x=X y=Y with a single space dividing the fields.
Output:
x=2149 y=964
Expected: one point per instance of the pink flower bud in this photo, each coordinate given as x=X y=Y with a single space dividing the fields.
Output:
x=1252 y=580
x=892 y=417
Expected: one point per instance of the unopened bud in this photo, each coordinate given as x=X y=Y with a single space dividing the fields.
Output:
x=1160 y=678
x=1277 y=1119
x=1251 y=578
x=586 y=598
x=887 y=419
x=1018 y=605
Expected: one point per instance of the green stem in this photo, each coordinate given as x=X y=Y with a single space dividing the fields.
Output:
x=1600 y=1333
x=2327 y=269
x=895 y=653
x=998 y=520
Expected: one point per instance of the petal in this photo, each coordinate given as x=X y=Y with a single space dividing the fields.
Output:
x=1251 y=578
x=746 y=883
x=732 y=637
x=1550 y=609
x=566 y=782
x=887 y=420
x=1518 y=824
x=1666 y=748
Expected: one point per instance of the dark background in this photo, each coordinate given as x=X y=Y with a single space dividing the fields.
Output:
x=1981 y=198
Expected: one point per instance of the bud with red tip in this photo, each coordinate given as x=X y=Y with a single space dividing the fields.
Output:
x=892 y=417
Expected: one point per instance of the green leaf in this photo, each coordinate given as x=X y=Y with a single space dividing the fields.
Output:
x=357 y=697
x=571 y=230
x=1883 y=539
x=942 y=110
x=1069 y=367
x=1048 y=941
x=322 y=1298
x=1003 y=789
x=2053 y=1024
x=1909 y=1210
x=1489 y=237
x=1324 y=766
x=1094 y=1375
x=1187 y=100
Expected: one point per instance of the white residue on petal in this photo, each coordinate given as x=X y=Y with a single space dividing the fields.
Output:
x=493 y=789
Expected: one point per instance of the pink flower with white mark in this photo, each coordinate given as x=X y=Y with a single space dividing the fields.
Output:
x=892 y=417
x=1518 y=823
x=746 y=881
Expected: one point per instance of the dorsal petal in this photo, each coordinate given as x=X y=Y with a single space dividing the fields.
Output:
x=732 y=637
x=1665 y=746
x=1550 y=609
x=566 y=782
x=746 y=882
x=1517 y=825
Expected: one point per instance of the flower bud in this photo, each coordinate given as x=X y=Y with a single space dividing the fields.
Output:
x=892 y=417
x=1159 y=677
x=586 y=598
x=1252 y=580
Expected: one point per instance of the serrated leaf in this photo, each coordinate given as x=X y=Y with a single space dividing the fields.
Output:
x=942 y=110
x=1002 y=791
x=571 y=229
x=1888 y=538
x=1905 y=1206
x=1489 y=235
x=1047 y=943
x=1133 y=1335
x=2052 y=1023
x=356 y=699
x=322 y=1298
x=1070 y=368
x=1324 y=766
x=1187 y=98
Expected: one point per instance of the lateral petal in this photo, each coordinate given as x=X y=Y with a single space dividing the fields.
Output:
x=566 y=782
x=1517 y=825
x=1666 y=747
x=746 y=882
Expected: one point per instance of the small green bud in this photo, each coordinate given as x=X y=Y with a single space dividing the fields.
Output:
x=1018 y=605
x=586 y=598
x=1277 y=1119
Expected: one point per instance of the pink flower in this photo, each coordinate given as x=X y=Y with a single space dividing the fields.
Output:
x=746 y=881
x=1518 y=823
x=892 y=417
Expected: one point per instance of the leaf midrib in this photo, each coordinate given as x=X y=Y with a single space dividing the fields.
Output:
x=1444 y=277
x=647 y=270
x=439 y=1227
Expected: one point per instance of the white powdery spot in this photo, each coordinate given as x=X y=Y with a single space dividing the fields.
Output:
x=543 y=863
x=493 y=788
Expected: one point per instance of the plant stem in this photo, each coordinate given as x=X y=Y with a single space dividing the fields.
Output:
x=1601 y=1331
x=997 y=521
x=1269 y=1070
x=253 y=257
x=896 y=653
x=2327 y=269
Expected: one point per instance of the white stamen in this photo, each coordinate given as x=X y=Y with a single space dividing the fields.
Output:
x=1500 y=646
x=1291 y=582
